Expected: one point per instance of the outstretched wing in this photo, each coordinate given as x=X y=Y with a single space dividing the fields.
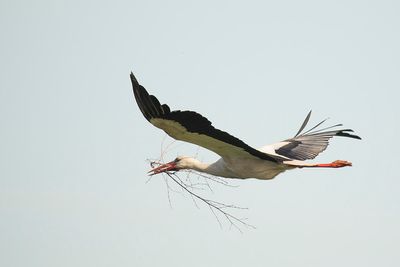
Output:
x=309 y=144
x=192 y=127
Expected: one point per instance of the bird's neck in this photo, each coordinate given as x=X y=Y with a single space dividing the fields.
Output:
x=217 y=168
x=198 y=166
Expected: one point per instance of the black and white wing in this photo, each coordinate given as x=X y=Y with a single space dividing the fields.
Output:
x=308 y=144
x=192 y=127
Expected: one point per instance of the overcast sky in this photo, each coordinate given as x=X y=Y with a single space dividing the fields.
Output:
x=74 y=145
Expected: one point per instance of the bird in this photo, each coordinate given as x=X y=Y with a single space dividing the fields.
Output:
x=237 y=159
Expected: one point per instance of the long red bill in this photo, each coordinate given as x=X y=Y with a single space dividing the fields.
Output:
x=170 y=166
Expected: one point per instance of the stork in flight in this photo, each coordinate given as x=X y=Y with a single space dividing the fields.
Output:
x=238 y=160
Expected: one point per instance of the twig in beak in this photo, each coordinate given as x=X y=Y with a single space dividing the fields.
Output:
x=170 y=166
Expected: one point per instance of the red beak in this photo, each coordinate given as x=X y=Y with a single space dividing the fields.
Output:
x=170 y=166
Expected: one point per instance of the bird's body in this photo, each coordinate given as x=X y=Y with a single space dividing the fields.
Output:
x=233 y=168
x=238 y=160
x=254 y=168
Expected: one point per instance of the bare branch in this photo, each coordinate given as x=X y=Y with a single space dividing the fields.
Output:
x=187 y=185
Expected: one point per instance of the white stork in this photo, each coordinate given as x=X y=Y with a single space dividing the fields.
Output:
x=238 y=160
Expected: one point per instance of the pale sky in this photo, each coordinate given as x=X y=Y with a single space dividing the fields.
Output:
x=74 y=145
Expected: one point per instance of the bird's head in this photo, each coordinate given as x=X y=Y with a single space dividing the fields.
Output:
x=181 y=162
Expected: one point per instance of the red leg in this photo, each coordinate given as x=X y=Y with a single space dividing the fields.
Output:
x=335 y=164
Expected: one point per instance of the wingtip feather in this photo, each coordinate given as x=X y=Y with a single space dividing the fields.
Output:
x=304 y=123
x=133 y=79
x=345 y=133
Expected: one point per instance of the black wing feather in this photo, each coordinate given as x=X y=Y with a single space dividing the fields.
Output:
x=190 y=120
